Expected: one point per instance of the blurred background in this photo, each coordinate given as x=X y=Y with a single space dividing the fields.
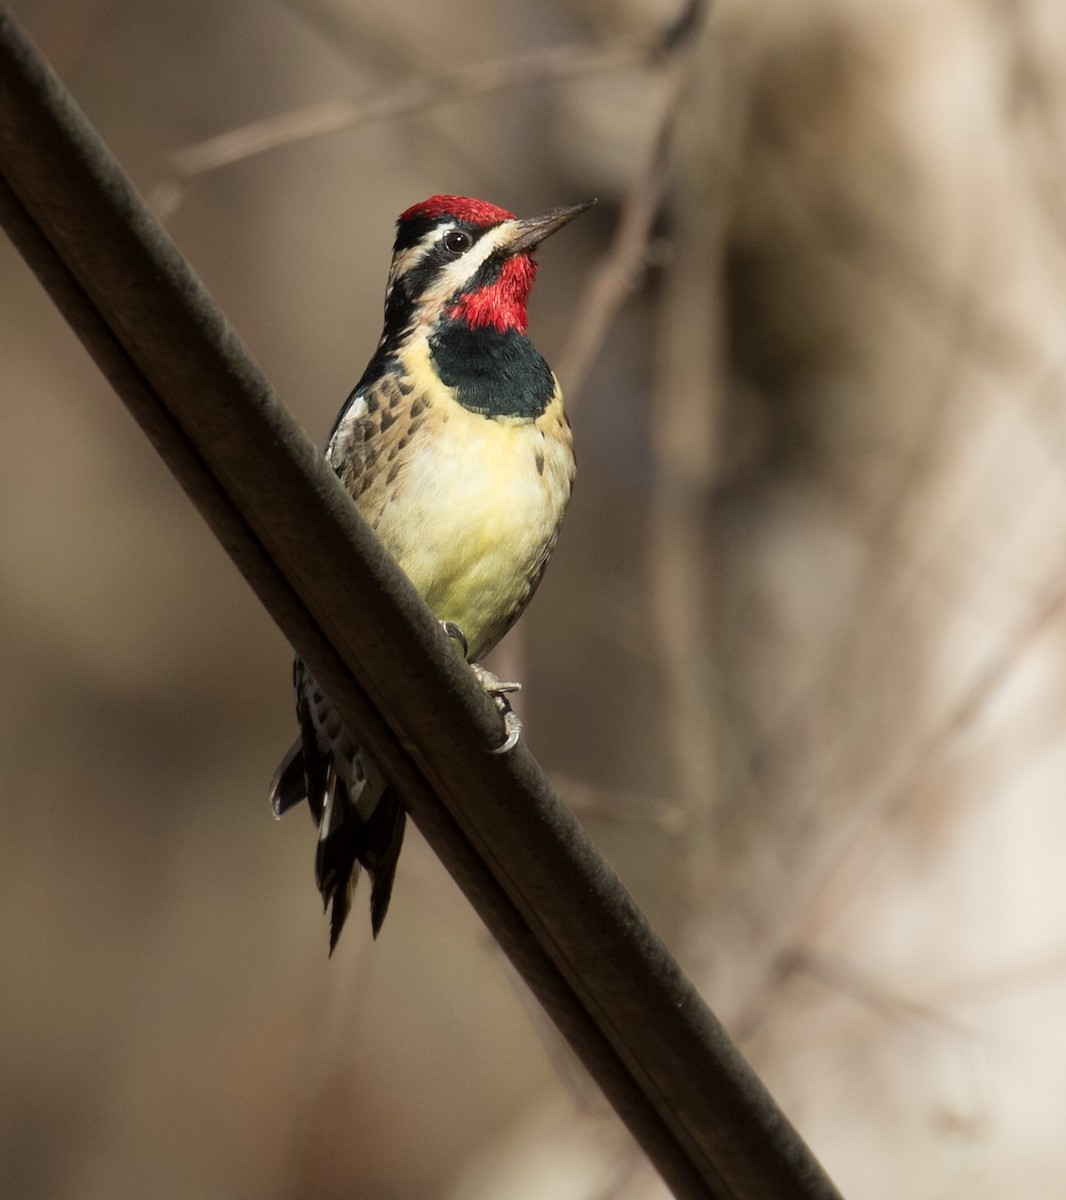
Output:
x=799 y=662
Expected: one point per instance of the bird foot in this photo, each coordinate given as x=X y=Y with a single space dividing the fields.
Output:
x=498 y=690
x=494 y=687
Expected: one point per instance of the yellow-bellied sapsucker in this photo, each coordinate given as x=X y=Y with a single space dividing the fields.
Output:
x=455 y=447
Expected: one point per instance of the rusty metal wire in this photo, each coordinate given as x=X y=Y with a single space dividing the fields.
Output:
x=659 y=1054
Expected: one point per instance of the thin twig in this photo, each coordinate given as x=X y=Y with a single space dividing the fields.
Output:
x=619 y=807
x=840 y=975
x=849 y=864
x=412 y=96
x=624 y=1004
x=617 y=275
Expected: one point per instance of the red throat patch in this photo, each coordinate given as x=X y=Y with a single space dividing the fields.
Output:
x=502 y=304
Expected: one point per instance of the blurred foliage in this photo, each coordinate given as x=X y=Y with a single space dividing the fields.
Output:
x=798 y=662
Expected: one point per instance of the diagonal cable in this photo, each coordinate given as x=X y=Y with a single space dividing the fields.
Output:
x=587 y=952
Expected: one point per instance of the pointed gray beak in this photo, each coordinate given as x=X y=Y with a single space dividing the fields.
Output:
x=531 y=231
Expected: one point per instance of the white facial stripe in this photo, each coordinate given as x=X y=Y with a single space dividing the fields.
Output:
x=454 y=275
x=413 y=255
x=460 y=272
x=465 y=268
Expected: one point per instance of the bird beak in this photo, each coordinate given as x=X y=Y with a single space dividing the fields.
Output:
x=531 y=231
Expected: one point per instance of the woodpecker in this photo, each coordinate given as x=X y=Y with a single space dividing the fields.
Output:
x=455 y=448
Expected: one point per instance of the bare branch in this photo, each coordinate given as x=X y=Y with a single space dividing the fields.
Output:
x=413 y=96
x=623 y=1003
x=626 y=258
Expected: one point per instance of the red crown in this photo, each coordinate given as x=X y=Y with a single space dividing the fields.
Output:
x=463 y=208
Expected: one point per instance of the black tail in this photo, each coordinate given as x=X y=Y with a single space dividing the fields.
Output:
x=346 y=839
x=289 y=786
x=382 y=840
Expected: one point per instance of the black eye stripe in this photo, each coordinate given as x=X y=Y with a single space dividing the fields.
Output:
x=414 y=230
x=415 y=281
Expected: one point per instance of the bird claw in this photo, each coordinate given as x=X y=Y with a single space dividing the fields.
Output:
x=512 y=726
x=457 y=635
x=498 y=690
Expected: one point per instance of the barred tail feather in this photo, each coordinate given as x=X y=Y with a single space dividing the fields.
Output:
x=346 y=842
x=383 y=838
x=289 y=785
x=360 y=818
x=337 y=856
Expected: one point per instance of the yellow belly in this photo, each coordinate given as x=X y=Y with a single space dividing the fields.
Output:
x=474 y=518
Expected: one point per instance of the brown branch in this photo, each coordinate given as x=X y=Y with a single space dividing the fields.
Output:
x=619 y=807
x=562 y=916
x=413 y=96
x=622 y=265
x=848 y=866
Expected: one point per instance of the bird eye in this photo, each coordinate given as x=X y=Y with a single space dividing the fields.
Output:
x=457 y=240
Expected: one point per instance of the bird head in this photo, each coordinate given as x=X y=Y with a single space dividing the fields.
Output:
x=461 y=259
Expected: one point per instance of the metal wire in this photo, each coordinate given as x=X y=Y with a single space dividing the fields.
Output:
x=660 y=1056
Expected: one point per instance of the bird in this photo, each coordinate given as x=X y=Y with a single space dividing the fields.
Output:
x=456 y=449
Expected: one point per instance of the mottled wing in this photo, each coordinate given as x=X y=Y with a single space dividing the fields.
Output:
x=360 y=819
x=367 y=444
